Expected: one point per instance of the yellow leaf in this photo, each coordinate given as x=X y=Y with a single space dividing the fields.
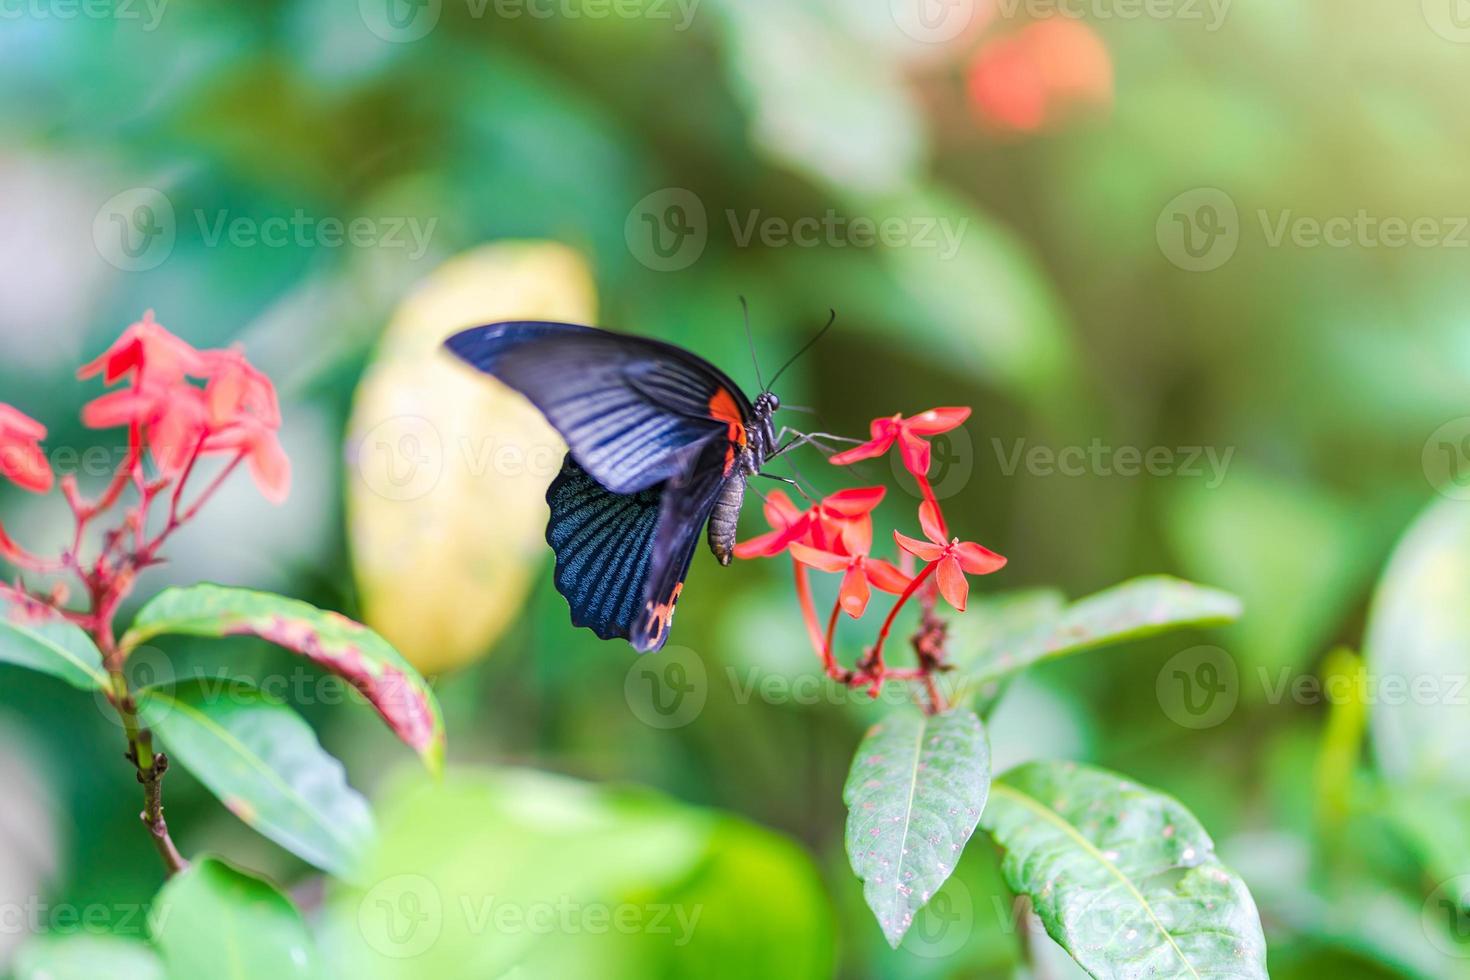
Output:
x=447 y=468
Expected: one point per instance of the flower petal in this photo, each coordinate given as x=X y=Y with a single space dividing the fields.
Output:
x=933 y=523
x=854 y=502
x=119 y=408
x=936 y=420
x=868 y=450
x=884 y=575
x=952 y=583
x=915 y=453
x=977 y=559
x=779 y=510
x=271 y=468
x=824 y=561
x=23 y=464
x=18 y=423
x=854 y=593
x=857 y=536
x=766 y=545
x=922 y=550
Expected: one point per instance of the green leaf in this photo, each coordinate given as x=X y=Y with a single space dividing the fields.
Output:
x=914 y=794
x=515 y=873
x=264 y=763
x=214 y=921
x=1136 y=609
x=36 y=636
x=85 y=956
x=1417 y=655
x=333 y=641
x=1124 y=878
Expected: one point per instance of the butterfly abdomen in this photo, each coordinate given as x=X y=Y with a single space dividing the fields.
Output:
x=725 y=517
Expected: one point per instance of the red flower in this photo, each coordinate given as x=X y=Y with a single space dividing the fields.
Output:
x=842 y=520
x=21 y=459
x=173 y=416
x=951 y=559
x=908 y=434
x=859 y=571
x=269 y=465
x=146 y=342
x=1030 y=79
x=236 y=413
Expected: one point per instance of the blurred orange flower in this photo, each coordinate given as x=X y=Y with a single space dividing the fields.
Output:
x=1035 y=77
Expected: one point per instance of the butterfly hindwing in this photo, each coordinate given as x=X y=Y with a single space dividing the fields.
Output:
x=628 y=407
x=688 y=499
x=604 y=549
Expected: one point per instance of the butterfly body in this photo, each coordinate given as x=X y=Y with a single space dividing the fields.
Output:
x=660 y=444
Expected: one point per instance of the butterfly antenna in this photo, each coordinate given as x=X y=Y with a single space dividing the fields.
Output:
x=808 y=346
x=750 y=341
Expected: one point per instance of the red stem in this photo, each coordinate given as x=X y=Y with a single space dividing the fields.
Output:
x=875 y=669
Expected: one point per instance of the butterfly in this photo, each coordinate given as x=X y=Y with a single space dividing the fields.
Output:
x=660 y=445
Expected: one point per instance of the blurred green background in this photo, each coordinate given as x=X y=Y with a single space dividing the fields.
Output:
x=1097 y=227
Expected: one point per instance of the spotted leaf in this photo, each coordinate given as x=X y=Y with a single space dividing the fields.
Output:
x=336 y=643
x=914 y=794
x=1123 y=877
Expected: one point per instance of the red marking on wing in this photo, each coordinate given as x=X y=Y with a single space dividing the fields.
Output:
x=661 y=614
x=722 y=407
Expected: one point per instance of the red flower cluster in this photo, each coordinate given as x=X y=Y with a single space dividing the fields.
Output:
x=171 y=421
x=236 y=413
x=836 y=535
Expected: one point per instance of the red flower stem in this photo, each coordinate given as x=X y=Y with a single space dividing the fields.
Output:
x=875 y=660
x=829 y=658
x=808 y=610
x=933 y=502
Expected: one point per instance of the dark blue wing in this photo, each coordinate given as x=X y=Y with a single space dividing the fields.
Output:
x=627 y=406
x=688 y=499
x=621 y=558
x=604 y=549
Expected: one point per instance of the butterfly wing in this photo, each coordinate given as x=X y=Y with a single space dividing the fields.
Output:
x=621 y=559
x=628 y=407
x=604 y=549
x=688 y=500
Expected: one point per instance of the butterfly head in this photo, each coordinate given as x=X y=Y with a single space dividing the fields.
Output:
x=766 y=405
